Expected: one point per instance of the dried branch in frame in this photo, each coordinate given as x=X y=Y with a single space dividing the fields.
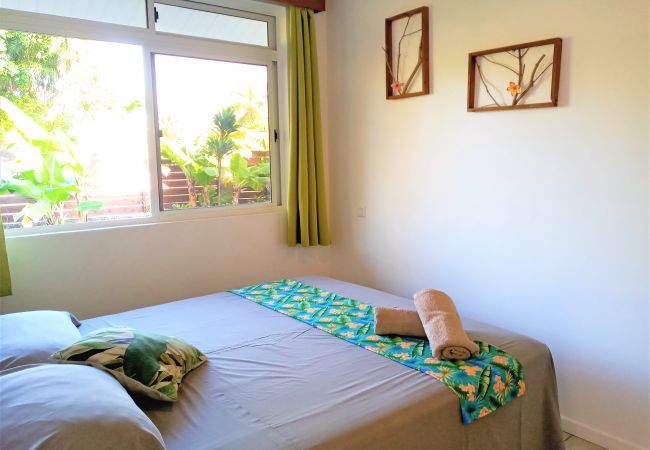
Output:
x=390 y=69
x=516 y=89
x=415 y=71
x=399 y=47
x=398 y=87
x=407 y=54
x=515 y=53
x=532 y=76
x=534 y=79
x=480 y=74
x=505 y=66
x=542 y=72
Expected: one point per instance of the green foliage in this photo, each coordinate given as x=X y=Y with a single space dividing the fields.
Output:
x=220 y=146
x=221 y=141
x=234 y=127
x=255 y=177
x=132 y=106
x=30 y=66
x=225 y=122
x=250 y=107
x=195 y=167
x=50 y=185
x=182 y=206
x=253 y=110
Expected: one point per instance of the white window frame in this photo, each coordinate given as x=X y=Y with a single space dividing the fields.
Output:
x=152 y=42
x=270 y=23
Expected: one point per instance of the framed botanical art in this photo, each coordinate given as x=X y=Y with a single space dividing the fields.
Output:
x=407 y=54
x=515 y=77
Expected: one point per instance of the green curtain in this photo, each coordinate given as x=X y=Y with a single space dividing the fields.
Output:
x=5 y=279
x=307 y=205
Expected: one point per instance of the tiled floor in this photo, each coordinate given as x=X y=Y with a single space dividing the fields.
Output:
x=575 y=443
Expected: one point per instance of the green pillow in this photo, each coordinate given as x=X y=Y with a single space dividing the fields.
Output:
x=146 y=363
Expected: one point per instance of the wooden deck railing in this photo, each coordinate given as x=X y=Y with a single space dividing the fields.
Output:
x=175 y=191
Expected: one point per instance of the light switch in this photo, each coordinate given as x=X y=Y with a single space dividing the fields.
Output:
x=361 y=211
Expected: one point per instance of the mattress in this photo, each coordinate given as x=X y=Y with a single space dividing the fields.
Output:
x=272 y=382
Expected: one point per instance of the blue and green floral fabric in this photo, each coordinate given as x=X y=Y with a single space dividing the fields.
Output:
x=483 y=383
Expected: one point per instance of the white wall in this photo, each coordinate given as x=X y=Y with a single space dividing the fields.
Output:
x=533 y=220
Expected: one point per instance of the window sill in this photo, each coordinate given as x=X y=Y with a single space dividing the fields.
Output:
x=161 y=218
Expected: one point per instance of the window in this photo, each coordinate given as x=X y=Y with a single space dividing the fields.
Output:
x=122 y=12
x=166 y=121
x=211 y=25
x=73 y=131
x=214 y=132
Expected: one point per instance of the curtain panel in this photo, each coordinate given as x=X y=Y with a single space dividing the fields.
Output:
x=307 y=203
x=5 y=278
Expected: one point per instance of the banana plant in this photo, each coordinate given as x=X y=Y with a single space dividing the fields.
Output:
x=255 y=177
x=50 y=185
x=51 y=182
x=195 y=166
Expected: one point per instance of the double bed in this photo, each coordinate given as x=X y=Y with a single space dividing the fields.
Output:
x=272 y=382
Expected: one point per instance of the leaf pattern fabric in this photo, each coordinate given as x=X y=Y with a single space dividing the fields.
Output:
x=483 y=383
x=145 y=363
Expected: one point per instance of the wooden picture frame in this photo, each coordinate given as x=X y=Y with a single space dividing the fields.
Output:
x=416 y=75
x=525 y=84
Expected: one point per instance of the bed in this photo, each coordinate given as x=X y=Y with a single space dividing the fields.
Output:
x=272 y=382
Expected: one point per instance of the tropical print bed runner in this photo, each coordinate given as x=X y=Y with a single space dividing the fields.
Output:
x=483 y=383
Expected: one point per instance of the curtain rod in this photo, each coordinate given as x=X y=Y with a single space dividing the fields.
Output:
x=316 y=5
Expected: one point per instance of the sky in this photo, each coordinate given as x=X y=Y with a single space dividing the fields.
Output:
x=192 y=90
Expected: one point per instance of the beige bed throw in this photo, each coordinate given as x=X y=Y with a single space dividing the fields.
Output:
x=402 y=322
x=442 y=325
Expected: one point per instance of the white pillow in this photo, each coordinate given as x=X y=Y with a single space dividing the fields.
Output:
x=31 y=337
x=71 y=407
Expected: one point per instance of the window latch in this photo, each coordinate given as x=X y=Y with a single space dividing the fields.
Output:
x=155 y=15
x=276 y=135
